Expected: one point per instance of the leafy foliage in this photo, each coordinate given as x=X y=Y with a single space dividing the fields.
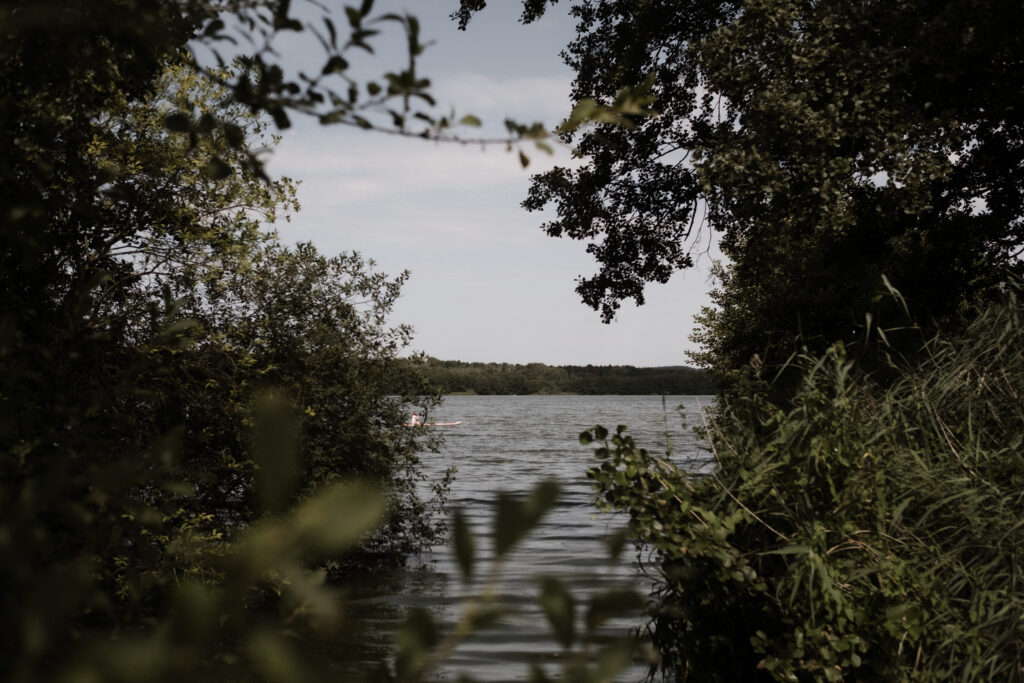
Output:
x=309 y=331
x=852 y=532
x=172 y=430
x=827 y=143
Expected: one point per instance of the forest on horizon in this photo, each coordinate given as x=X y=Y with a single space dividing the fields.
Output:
x=459 y=377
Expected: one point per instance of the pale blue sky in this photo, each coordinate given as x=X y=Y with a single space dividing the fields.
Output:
x=487 y=284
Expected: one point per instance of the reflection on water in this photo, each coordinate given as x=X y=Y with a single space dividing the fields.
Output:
x=511 y=443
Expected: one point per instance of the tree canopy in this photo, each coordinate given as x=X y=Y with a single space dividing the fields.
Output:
x=825 y=143
x=173 y=379
x=861 y=165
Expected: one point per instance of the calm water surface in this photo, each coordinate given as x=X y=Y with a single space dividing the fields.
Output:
x=510 y=443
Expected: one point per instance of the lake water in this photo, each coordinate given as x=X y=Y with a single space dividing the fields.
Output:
x=510 y=443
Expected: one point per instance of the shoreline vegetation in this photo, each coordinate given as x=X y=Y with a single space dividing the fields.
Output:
x=459 y=378
x=202 y=428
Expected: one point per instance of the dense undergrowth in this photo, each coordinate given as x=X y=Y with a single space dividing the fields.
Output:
x=856 y=531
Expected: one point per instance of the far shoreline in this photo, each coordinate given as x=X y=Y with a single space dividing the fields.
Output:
x=460 y=378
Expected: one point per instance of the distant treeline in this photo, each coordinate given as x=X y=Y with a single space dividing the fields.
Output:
x=453 y=376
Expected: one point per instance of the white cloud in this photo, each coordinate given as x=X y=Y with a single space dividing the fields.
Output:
x=526 y=99
x=485 y=279
x=346 y=167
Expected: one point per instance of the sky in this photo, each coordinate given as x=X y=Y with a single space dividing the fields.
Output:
x=486 y=285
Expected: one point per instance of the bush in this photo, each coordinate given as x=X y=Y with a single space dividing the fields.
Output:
x=854 y=531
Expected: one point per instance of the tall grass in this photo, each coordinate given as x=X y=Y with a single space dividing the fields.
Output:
x=854 y=531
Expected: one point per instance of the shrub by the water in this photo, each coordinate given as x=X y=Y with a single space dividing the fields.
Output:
x=854 y=531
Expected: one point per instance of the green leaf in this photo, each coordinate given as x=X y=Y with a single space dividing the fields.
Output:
x=464 y=544
x=523 y=159
x=213 y=27
x=832 y=673
x=417 y=636
x=194 y=613
x=537 y=675
x=610 y=604
x=486 y=615
x=614 y=658
x=234 y=135
x=207 y=122
x=793 y=549
x=332 y=31
x=216 y=169
x=426 y=98
x=338 y=517
x=167 y=449
x=355 y=18
x=514 y=518
x=275 y=438
x=510 y=523
x=275 y=658
x=331 y=522
x=470 y=120
x=336 y=64
x=178 y=122
x=616 y=542
x=280 y=118
x=560 y=609
x=178 y=326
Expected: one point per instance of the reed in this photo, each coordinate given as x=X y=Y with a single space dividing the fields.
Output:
x=854 y=530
